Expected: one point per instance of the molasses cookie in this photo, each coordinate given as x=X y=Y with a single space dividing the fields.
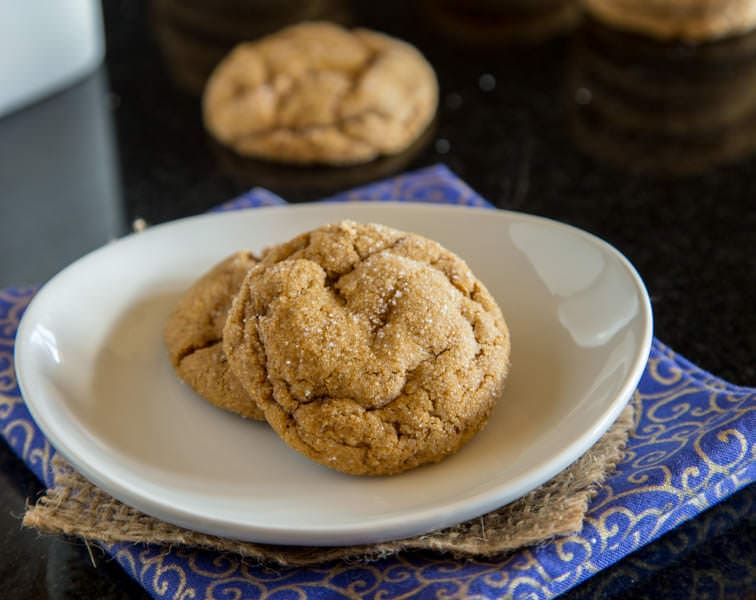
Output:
x=193 y=336
x=370 y=350
x=318 y=93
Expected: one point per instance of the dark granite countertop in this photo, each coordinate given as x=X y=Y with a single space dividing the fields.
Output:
x=650 y=147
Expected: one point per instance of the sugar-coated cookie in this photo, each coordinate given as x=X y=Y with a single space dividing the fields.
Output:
x=370 y=350
x=193 y=336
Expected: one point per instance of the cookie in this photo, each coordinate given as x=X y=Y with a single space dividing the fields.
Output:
x=688 y=20
x=193 y=336
x=318 y=93
x=370 y=350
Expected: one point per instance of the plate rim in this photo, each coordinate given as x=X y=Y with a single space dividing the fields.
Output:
x=375 y=530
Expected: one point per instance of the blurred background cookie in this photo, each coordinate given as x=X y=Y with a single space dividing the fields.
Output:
x=193 y=336
x=689 y=20
x=316 y=93
x=662 y=108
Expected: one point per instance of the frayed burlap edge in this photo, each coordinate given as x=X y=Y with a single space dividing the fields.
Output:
x=73 y=506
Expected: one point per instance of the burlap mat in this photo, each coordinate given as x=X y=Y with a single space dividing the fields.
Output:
x=73 y=506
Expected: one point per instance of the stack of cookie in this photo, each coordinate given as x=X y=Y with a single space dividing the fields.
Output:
x=369 y=350
x=652 y=107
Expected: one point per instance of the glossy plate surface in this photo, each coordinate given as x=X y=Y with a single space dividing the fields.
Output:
x=95 y=375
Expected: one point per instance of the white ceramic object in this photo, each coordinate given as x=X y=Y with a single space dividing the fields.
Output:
x=95 y=375
x=46 y=45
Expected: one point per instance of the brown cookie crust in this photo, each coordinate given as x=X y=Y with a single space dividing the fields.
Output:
x=370 y=350
x=193 y=336
x=318 y=93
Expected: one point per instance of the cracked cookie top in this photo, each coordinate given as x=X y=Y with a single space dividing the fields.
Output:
x=318 y=93
x=370 y=350
x=193 y=336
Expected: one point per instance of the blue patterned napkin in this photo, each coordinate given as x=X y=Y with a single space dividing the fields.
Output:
x=693 y=445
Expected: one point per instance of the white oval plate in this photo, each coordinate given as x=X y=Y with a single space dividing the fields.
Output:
x=95 y=375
